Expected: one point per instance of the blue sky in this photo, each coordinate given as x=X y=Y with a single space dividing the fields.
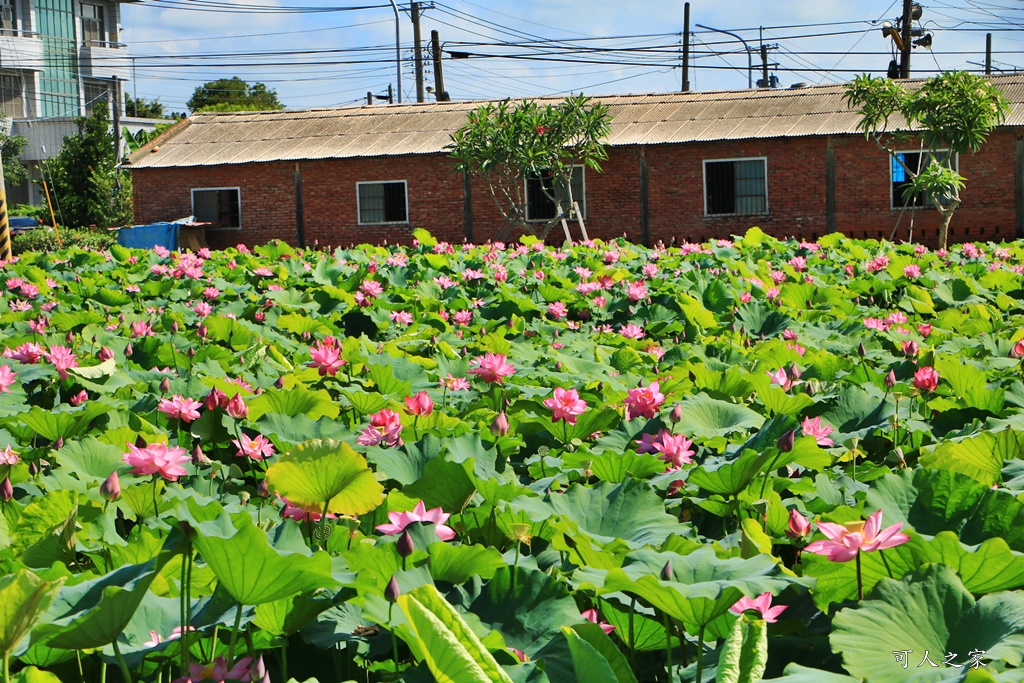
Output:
x=315 y=55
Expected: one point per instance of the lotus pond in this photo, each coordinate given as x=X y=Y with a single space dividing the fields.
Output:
x=604 y=463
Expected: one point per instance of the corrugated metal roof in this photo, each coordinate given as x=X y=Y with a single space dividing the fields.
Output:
x=244 y=137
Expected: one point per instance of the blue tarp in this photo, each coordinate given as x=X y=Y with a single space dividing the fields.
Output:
x=149 y=236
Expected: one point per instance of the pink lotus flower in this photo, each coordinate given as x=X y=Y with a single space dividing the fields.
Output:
x=400 y=520
x=79 y=398
x=632 y=331
x=819 y=431
x=158 y=458
x=761 y=604
x=846 y=540
x=675 y=449
x=9 y=457
x=62 y=359
x=184 y=409
x=798 y=525
x=912 y=271
x=781 y=378
x=462 y=318
x=141 y=328
x=385 y=428
x=1018 y=350
x=401 y=317
x=926 y=378
x=454 y=383
x=635 y=291
x=7 y=378
x=259 y=448
x=300 y=514
x=557 y=310
x=28 y=353
x=492 y=367
x=592 y=616
x=326 y=357
x=419 y=405
x=644 y=401
x=566 y=405
x=910 y=348
x=245 y=669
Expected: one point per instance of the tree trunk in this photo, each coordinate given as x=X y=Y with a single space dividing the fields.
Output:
x=947 y=216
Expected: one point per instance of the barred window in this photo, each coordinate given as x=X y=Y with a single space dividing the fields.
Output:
x=539 y=206
x=900 y=178
x=12 y=101
x=382 y=202
x=735 y=186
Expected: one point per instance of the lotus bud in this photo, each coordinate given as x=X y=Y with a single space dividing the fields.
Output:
x=392 y=592
x=861 y=351
x=261 y=489
x=110 y=489
x=6 y=490
x=677 y=413
x=259 y=316
x=165 y=385
x=128 y=350
x=199 y=458
x=215 y=398
x=201 y=332
x=140 y=442
x=59 y=443
x=795 y=372
x=280 y=382
x=798 y=525
x=786 y=441
x=33 y=468
x=105 y=354
x=258 y=671
x=79 y=398
x=121 y=317
x=692 y=377
x=499 y=427
x=558 y=366
x=405 y=546
x=69 y=337
x=174 y=326
x=236 y=407
x=890 y=379
x=666 y=572
x=571 y=544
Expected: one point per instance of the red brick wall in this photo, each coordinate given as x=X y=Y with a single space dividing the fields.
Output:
x=796 y=195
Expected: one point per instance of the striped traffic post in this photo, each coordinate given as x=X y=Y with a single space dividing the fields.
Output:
x=5 y=223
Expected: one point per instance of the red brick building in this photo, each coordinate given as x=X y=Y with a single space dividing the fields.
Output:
x=683 y=167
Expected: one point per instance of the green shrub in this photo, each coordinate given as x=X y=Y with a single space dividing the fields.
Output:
x=45 y=239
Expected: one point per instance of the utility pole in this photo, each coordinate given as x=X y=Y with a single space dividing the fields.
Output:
x=765 y=83
x=435 y=50
x=908 y=20
x=417 y=50
x=686 y=47
x=116 y=101
x=988 y=54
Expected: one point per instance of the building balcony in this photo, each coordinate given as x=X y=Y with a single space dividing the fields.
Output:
x=23 y=51
x=105 y=60
x=45 y=136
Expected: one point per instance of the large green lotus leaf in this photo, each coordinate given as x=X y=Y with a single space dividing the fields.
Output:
x=444 y=484
x=762 y=321
x=297 y=323
x=590 y=422
x=858 y=410
x=930 y=610
x=365 y=402
x=229 y=331
x=295 y=401
x=980 y=457
x=729 y=476
x=45 y=531
x=602 y=646
x=970 y=386
x=794 y=673
x=387 y=384
x=286 y=616
x=704 y=586
x=57 y=424
x=588 y=662
x=440 y=637
x=460 y=563
x=91 y=459
x=31 y=674
x=254 y=572
x=931 y=501
x=630 y=511
x=24 y=598
x=745 y=652
x=528 y=613
x=320 y=472
x=618 y=467
x=95 y=612
x=705 y=417
x=298 y=428
x=648 y=632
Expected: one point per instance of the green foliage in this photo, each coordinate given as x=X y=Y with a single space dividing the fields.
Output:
x=86 y=185
x=952 y=111
x=507 y=143
x=143 y=108
x=45 y=240
x=10 y=149
x=233 y=94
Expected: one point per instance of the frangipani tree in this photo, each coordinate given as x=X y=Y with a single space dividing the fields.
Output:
x=506 y=143
x=952 y=113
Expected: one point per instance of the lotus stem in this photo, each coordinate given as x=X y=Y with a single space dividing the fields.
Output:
x=415 y=433
x=284 y=660
x=125 y=672
x=323 y=524
x=234 y=634
x=860 y=581
x=7 y=666
x=700 y=653
x=668 y=648
x=183 y=618
x=632 y=633
x=394 y=640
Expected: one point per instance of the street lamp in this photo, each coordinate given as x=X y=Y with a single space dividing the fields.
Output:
x=397 y=46
x=750 y=63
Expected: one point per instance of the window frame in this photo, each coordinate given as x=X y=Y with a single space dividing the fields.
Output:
x=359 y=202
x=925 y=202
x=100 y=20
x=15 y=27
x=704 y=172
x=237 y=190
x=19 y=98
x=104 y=99
x=583 y=204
